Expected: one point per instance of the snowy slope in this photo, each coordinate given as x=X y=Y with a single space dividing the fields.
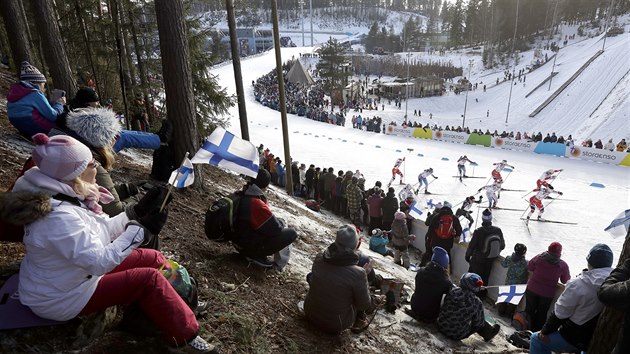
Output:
x=348 y=149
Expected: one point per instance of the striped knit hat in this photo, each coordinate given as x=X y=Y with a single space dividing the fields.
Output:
x=60 y=157
x=30 y=73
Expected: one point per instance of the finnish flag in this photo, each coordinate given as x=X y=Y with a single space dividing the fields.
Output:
x=620 y=225
x=511 y=293
x=223 y=149
x=414 y=211
x=184 y=176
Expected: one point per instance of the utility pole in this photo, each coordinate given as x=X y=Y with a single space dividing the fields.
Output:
x=302 y=16
x=507 y=113
x=283 y=103
x=310 y=4
x=470 y=63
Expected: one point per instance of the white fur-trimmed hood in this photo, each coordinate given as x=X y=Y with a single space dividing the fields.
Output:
x=96 y=126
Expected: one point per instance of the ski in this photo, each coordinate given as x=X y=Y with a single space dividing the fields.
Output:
x=469 y=177
x=499 y=208
x=551 y=221
x=563 y=199
x=527 y=227
x=513 y=190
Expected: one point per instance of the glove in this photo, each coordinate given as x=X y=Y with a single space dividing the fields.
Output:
x=479 y=190
x=480 y=197
x=435 y=177
x=154 y=221
x=154 y=198
x=126 y=190
x=560 y=193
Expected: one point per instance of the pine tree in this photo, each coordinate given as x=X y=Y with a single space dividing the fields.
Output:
x=332 y=68
x=457 y=23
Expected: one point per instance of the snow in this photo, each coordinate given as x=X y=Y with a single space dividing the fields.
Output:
x=350 y=149
x=595 y=105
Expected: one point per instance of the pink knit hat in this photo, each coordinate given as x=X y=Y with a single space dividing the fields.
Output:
x=60 y=157
x=555 y=249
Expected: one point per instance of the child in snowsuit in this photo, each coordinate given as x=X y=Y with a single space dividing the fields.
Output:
x=516 y=265
x=401 y=239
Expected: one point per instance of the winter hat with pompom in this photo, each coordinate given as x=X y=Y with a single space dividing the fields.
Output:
x=60 y=157
x=399 y=215
x=96 y=126
x=471 y=281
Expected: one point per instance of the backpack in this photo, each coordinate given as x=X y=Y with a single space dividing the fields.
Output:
x=221 y=217
x=185 y=286
x=492 y=246
x=520 y=339
x=445 y=228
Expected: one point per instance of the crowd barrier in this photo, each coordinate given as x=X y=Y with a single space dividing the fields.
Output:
x=556 y=149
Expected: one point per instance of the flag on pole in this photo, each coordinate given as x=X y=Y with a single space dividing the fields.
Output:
x=223 y=149
x=620 y=225
x=511 y=293
x=184 y=176
x=414 y=211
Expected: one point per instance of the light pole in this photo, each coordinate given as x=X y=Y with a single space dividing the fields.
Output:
x=507 y=113
x=310 y=5
x=470 y=63
x=407 y=85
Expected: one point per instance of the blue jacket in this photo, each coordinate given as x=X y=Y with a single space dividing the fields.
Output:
x=29 y=110
x=378 y=243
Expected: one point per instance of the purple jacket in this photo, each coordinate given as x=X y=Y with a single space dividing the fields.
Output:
x=546 y=270
x=375 y=204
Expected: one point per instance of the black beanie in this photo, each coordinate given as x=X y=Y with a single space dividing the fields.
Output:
x=262 y=179
x=85 y=96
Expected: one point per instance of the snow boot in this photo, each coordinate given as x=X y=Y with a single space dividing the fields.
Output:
x=488 y=331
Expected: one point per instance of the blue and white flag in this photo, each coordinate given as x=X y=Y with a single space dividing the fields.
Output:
x=223 y=149
x=511 y=293
x=184 y=176
x=620 y=225
x=414 y=211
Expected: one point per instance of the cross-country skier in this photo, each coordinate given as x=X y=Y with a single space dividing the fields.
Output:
x=464 y=209
x=496 y=173
x=491 y=193
x=403 y=193
x=461 y=166
x=546 y=176
x=396 y=171
x=422 y=178
x=536 y=200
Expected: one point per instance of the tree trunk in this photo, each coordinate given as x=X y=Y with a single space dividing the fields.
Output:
x=125 y=81
x=139 y=58
x=180 y=98
x=610 y=321
x=15 y=25
x=88 y=47
x=55 y=52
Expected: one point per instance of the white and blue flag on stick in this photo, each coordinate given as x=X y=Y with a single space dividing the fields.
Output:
x=223 y=149
x=620 y=225
x=184 y=176
x=414 y=211
x=511 y=293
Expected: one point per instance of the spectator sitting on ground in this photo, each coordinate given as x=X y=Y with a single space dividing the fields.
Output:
x=432 y=282
x=571 y=324
x=28 y=109
x=462 y=312
x=76 y=239
x=378 y=243
x=338 y=296
x=622 y=146
x=259 y=233
x=610 y=146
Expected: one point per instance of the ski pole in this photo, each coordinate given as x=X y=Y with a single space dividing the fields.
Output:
x=526 y=209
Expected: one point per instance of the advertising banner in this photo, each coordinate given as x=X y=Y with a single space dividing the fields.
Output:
x=454 y=137
x=598 y=155
x=422 y=133
x=511 y=144
x=396 y=130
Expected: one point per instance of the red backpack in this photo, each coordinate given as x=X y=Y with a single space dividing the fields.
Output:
x=445 y=229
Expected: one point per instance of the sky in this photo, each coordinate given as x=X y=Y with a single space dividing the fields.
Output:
x=344 y=148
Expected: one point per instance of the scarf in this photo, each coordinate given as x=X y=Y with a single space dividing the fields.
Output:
x=34 y=180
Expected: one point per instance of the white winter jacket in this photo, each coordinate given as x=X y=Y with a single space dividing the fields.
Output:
x=579 y=301
x=67 y=252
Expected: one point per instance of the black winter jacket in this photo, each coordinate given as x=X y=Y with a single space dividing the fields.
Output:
x=615 y=292
x=474 y=253
x=432 y=282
